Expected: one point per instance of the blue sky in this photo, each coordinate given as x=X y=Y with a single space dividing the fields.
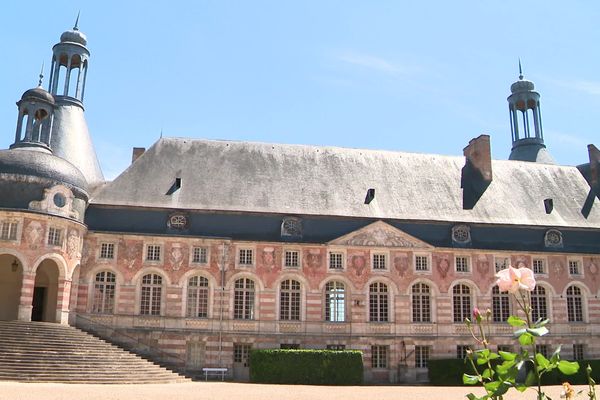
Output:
x=408 y=76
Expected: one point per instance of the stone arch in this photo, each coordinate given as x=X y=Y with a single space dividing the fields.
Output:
x=47 y=291
x=303 y=292
x=11 y=282
x=212 y=288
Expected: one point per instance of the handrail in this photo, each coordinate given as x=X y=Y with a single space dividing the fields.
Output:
x=136 y=340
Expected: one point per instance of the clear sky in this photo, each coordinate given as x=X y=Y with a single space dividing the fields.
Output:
x=416 y=76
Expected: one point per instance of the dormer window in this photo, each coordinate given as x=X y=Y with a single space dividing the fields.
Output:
x=553 y=238
x=461 y=234
x=291 y=226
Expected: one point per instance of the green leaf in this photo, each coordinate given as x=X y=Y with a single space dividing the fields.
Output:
x=515 y=321
x=481 y=361
x=526 y=339
x=531 y=379
x=493 y=356
x=538 y=331
x=507 y=355
x=521 y=388
x=556 y=355
x=568 y=367
x=471 y=396
x=470 y=379
x=542 y=361
x=487 y=373
x=492 y=386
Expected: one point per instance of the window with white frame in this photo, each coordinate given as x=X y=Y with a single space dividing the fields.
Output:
x=379 y=261
x=241 y=353
x=335 y=302
x=153 y=252
x=574 y=267
x=107 y=251
x=379 y=356
x=578 y=351
x=291 y=259
x=461 y=302
x=462 y=263
x=197 y=297
x=8 y=230
x=378 y=302
x=421 y=263
x=574 y=304
x=500 y=305
x=336 y=260
x=422 y=356
x=199 y=255
x=243 y=299
x=151 y=294
x=501 y=262
x=289 y=300
x=55 y=236
x=246 y=257
x=539 y=304
x=461 y=351
x=421 y=303
x=539 y=266
x=104 y=293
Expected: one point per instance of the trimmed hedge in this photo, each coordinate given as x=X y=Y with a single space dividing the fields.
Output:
x=449 y=372
x=307 y=367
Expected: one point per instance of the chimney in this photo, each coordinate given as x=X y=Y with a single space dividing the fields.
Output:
x=477 y=173
x=137 y=152
x=479 y=155
x=594 y=154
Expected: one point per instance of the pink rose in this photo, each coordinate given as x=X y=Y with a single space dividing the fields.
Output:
x=514 y=279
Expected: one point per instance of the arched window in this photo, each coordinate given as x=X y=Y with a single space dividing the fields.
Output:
x=500 y=305
x=539 y=304
x=151 y=294
x=335 y=302
x=574 y=304
x=289 y=300
x=421 y=303
x=197 y=297
x=104 y=293
x=461 y=302
x=378 y=302
x=243 y=300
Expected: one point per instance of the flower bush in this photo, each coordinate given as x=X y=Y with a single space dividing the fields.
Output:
x=499 y=371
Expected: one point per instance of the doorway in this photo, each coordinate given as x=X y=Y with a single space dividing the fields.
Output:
x=45 y=292
x=11 y=280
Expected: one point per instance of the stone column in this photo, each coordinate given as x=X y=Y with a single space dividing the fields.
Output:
x=62 y=303
x=26 y=299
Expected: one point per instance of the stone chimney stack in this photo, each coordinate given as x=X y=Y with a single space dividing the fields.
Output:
x=594 y=154
x=477 y=172
x=136 y=153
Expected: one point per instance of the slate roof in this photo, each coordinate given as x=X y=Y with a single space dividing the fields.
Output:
x=332 y=181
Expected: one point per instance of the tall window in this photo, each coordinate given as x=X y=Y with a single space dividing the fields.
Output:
x=574 y=267
x=197 y=297
x=421 y=356
x=289 y=300
x=539 y=305
x=379 y=356
x=335 y=302
x=104 y=293
x=542 y=349
x=461 y=302
x=151 y=295
x=378 y=302
x=578 y=351
x=54 y=236
x=500 y=305
x=538 y=266
x=574 y=304
x=8 y=231
x=241 y=353
x=243 y=299
x=461 y=351
x=421 y=303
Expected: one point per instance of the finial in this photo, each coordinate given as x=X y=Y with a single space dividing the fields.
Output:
x=520 y=70
x=41 y=75
x=161 y=132
x=76 y=27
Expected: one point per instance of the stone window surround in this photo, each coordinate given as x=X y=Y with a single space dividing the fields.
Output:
x=469 y=263
x=338 y=250
x=199 y=245
x=427 y=256
x=385 y=254
x=240 y=247
x=145 y=253
x=285 y=249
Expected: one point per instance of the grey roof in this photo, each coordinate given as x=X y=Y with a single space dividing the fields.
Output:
x=331 y=181
x=531 y=149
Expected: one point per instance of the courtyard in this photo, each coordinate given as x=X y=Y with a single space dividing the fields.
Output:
x=246 y=391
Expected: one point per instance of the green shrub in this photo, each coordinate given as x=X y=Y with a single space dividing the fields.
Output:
x=308 y=367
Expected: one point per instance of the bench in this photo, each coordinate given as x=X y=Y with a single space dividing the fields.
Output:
x=215 y=372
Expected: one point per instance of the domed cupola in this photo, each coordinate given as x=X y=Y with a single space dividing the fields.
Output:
x=526 y=123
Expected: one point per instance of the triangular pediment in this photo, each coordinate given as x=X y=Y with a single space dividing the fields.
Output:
x=380 y=234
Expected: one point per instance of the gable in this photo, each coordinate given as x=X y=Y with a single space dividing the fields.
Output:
x=380 y=234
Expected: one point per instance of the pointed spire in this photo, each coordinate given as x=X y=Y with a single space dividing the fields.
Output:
x=520 y=70
x=76 y=27
x=41 y=75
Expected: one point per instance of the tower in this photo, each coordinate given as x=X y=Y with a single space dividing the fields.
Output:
x=70 y=138
x=526 y=123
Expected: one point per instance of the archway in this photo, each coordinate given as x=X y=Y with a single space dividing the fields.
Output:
x=11 y=280
x=45 y=292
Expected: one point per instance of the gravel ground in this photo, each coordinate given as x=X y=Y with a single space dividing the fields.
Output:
x=244 y=391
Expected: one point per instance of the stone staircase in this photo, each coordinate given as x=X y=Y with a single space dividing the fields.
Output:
x=47 y=352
